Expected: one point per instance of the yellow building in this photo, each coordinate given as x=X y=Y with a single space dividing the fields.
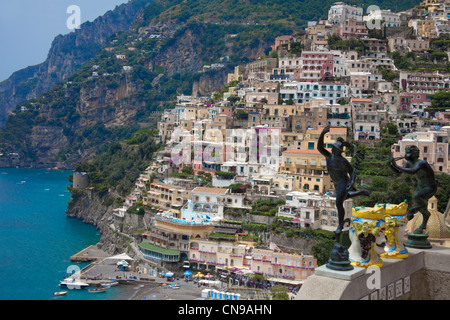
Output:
x=291 y=140
x=210 y=255
x=309 y=169
x=281 y=110
x=425 y=29
x=167 y=197
x=312 y=136
x=307 y=165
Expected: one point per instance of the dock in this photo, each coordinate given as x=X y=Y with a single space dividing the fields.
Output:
x=91 y=253
x=102 y=269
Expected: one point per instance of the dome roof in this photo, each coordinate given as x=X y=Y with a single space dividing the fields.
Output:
x=436 y=228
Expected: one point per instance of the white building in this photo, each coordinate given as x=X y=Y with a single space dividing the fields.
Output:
x=384 y=17
x=314 y=210
x=301 y=92
x=339 y=12
x=205 y=204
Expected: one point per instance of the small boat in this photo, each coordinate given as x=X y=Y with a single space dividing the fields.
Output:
x=96 y=290
x=61 y=293
x=109 y=284
x=72 y=283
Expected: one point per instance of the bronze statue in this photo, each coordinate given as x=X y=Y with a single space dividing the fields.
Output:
x=426 y=183
x=343 y=175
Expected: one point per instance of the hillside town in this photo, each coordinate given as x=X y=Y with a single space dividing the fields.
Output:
x=247 y=156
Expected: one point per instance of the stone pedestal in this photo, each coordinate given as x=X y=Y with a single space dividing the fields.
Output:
x=418 y=241
x=339 y=259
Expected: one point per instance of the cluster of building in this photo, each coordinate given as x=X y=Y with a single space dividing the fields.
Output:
x=260 y=141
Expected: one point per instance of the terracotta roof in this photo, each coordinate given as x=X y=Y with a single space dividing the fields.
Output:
x=210 y=190
x=332 y=129
x=361 y=100
x=299 y=151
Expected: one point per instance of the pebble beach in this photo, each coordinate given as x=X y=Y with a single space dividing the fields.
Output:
x=135 y=283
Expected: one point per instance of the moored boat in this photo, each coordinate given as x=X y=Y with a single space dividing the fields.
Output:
x=97 y=290
x=72 y=283
x=109 y=284
x=61 y=293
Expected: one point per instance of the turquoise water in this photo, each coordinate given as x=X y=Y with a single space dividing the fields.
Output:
x=37 y=239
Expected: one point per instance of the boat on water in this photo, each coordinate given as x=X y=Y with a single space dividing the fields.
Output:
x=126 y=281
x=109 y=284
x=72 y=283
x=96 y=290
x=60 y=293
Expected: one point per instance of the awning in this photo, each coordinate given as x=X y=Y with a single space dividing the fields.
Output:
x=122 y=256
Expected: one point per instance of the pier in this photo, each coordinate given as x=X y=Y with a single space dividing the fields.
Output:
x=91 y=253
x=102 y=268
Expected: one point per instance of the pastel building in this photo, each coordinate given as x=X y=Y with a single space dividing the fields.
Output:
x=167 y=197
x=301 y=92
x=339 y=12
x=432 y=144
x=316 y=66
x=282 y=265
x=386 y=18
x=211 y=255
x=168 y=240
x=309 y=209
x=352 y=28
x=308 y=168
x=206 y=204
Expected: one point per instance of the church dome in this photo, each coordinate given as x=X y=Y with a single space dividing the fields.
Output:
x=436 y=228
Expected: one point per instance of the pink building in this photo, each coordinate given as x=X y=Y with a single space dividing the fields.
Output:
x=316 y=66
x=352 y=28
x=283 y=41
x=282 y=264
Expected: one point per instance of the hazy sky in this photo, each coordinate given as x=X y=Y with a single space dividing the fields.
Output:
x=28 y=27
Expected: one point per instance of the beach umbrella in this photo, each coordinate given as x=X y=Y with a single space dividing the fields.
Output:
x=122 y=263
x=169 y=274
x=200 y=275
x=187 y=273
x=209 y=275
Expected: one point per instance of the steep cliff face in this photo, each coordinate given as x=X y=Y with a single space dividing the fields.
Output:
x=181 y=57
x=66 y=55
x=90 y=208
x=110 y=96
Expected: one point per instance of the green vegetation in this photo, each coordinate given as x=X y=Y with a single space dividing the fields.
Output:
x=267 y=207
x=336 y=43
x=440 y=101
x=294 y=13
x=425 y=60
x=120 y=165
x=279 y=292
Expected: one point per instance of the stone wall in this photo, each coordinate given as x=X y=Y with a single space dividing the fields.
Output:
x=424 y=275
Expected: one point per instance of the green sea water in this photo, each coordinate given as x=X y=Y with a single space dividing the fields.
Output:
x=37 y=238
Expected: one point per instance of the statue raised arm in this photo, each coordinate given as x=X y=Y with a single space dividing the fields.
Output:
x=426 y=184
x=342 y=173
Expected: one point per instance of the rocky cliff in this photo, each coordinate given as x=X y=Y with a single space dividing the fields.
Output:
x=90 y=208
x=66 y=55
x=104 y=102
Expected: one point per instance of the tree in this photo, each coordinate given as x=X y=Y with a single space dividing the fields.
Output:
x=187 y=170
x=279 y=292
x=321 y=250
x=440 y=101
x=442 y=194
x=392 y=128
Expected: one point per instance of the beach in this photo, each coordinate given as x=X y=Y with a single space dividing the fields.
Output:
x=136 y=281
